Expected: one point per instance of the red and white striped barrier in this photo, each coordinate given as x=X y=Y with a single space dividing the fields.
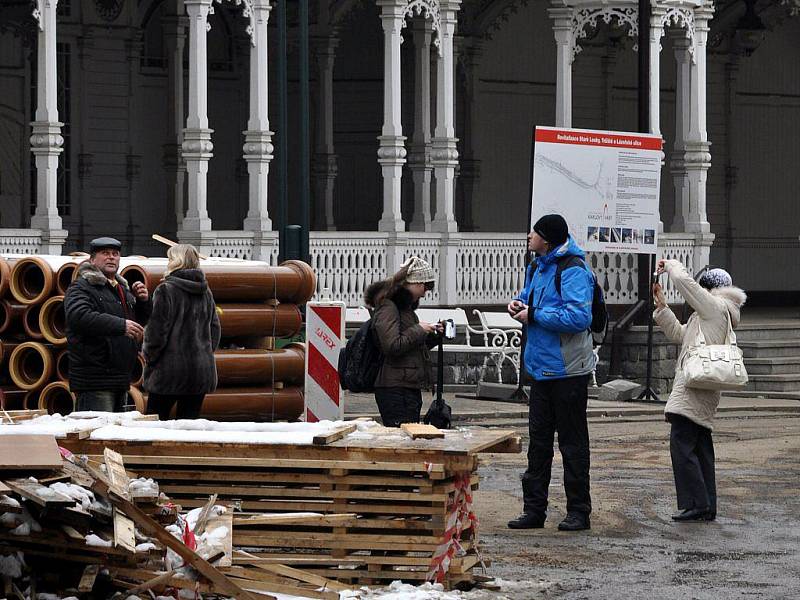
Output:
x=460 y=517
x=324 y=338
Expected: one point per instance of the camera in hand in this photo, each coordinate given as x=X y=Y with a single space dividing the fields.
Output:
x=449 y=329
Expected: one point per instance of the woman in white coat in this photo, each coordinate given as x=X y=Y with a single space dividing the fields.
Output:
x=691 y=411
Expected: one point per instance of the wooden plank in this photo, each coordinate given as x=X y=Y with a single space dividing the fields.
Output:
x=224 y=520
x=422 y=431
x=148 y=525
x=120 y=482
x=37 y=493
x=76 y=474
x=287 y=463
x=29 y=452
x=296 y=519
x=4 y=489
x=337 y=434
x=267 y=585
x=200 y=524
x=86 y=583
x=301 y=575
x=124 y=532
x=300 y=493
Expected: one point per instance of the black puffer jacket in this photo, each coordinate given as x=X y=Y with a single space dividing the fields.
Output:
x=180 y=339
x=101 y=356
x=402 y=339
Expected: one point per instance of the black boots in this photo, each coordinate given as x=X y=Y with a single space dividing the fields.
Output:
x=575 y=522
x=527 y=521
x=694 y=514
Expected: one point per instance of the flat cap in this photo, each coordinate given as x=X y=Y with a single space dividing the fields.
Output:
x=104 y=242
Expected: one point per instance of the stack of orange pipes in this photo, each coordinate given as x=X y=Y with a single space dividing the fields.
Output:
x=257 y=305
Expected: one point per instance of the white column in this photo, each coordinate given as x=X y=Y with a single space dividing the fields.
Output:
x=258 y=138
x=444 y=153
x=391 y=151
x=656 y=31
x=325 y=166
x=197 y=146
x=175 y=39
x=419 y=157
x=565 y=43
x=682 y=100
x=46 y=139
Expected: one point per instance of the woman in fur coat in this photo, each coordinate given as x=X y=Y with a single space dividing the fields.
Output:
x=180 y=338
x=404 y=341
x=691 y=411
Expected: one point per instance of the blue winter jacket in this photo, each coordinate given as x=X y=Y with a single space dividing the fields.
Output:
x=559 y=342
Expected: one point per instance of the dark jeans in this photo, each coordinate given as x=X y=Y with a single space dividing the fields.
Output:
x=692 y=452
x=558 y=405
x=398 y=405
x=189 y=405
x=103 y=400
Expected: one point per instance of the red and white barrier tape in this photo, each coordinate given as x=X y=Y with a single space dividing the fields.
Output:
x=460 y=516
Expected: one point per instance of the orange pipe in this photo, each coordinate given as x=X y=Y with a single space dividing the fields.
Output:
x=30 y=365
x=5 y=276
x=31 y=400
x=260 y=367
x=53 y=321
x=253 y=404
x=12 y=398
x=33 y=278
x=259 y=320
x=62 y=365
x=137 y=375
x=243 y=404
x=66 y=274
x=56 y=398
x=239 y=281
x=10 y=316
x=30 y=322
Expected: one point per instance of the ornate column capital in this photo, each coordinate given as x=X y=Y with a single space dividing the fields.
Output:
x=46 y=138
x=258 y=146
x=197 y=144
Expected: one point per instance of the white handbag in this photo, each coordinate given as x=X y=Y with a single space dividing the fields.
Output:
x=715 y=367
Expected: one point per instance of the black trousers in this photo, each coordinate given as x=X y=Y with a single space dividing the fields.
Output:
x=398 y=405
x=558 y=405
x=189 y=405
x=692 y=452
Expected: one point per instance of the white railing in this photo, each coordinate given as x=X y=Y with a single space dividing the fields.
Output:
x=682 y=247
x=20 y=241
x=490 y=267
x=347 y=262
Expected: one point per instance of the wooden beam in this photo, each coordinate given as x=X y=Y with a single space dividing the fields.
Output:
x=336 y=434
x=423 y=431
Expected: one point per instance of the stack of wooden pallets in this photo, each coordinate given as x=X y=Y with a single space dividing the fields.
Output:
x=363 y=509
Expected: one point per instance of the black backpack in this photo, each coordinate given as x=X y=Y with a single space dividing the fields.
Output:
x=599 y=312
x=360 y=360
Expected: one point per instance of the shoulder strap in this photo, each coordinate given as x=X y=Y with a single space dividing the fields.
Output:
x=565 y=262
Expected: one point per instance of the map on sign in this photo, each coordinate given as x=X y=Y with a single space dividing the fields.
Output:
x=604 y=183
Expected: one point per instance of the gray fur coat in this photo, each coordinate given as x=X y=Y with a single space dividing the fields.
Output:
x=181 y=337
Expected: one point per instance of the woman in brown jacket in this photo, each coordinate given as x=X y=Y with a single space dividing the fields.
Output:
x=404 y=340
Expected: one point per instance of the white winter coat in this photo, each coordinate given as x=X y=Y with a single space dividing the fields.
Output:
x=710 y=308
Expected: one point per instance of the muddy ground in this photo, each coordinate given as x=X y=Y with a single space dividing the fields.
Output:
x=634 y=549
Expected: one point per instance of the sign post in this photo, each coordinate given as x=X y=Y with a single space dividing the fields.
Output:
x=324 y=339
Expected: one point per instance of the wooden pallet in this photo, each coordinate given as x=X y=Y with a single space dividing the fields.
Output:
x=387 y=499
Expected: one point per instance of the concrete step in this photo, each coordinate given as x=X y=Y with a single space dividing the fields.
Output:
x=764 y=394
x=769 y=330
x=775 y=383
x=770 y=348
x=776 y=365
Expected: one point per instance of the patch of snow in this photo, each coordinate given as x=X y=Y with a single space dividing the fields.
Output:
x=81 y=495
x=9 y=501
x=95 y=540
x=146 y=547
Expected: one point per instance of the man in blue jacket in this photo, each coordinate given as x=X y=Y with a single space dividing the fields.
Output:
x=556 y=307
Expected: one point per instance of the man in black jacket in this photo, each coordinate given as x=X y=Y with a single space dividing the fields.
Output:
x=105 y=325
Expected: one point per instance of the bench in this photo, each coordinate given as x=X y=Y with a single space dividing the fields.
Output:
x=497 y=344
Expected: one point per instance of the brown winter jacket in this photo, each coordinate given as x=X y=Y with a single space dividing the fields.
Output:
x=402 y=339
x=181 y=337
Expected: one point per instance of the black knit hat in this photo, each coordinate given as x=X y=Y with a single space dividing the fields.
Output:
x=553 y=228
